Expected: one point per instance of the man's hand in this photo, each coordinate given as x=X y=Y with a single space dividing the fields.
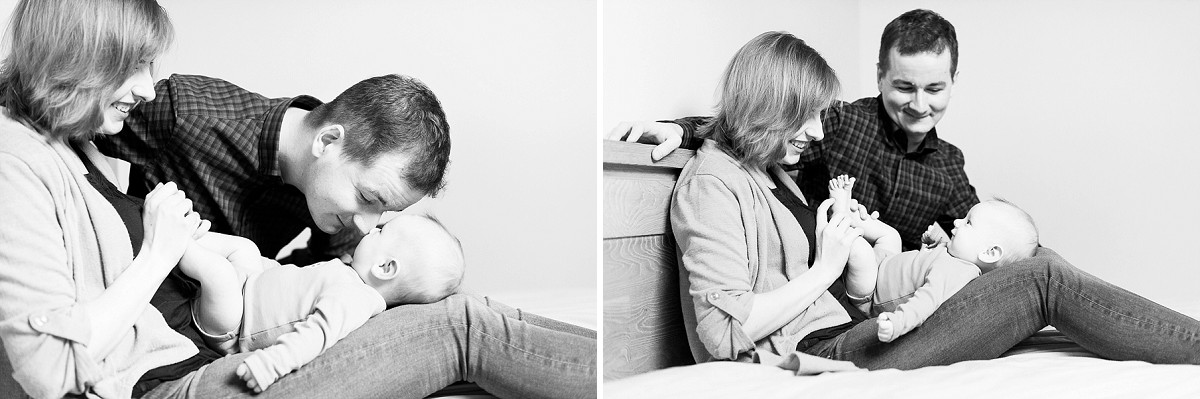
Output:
x=668 y=136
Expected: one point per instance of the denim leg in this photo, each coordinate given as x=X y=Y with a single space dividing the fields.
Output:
x=539 y=320
x=999 y=309
x=412 y=351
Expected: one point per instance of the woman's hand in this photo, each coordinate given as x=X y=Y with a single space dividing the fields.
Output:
x=835 y=236
x=169 y=223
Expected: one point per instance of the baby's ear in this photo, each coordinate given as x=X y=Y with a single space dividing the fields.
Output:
x=386 y=271
x=992 y=255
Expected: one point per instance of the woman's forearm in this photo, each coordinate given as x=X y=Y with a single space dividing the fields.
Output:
x=772 y=310
x=113 y=313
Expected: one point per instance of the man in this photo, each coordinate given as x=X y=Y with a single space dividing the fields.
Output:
x=888 y=143
x=266 y=169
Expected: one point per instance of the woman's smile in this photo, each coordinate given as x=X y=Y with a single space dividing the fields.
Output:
x=124 y=107
x=799 y=145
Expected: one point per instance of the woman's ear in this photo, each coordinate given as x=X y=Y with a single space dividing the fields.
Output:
x=326 y=137
x=992 y=255
x=387 y=271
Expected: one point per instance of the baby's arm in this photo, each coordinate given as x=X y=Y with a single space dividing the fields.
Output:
x=338 y=312
x=940 y=283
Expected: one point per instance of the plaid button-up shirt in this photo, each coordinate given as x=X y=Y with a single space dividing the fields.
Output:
x=910 y=190
x=219 y=143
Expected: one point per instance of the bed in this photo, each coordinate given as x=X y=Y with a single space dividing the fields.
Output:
x=646 y=352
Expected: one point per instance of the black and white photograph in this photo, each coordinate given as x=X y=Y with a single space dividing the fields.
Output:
x=298 y=199
x=623 y=199
x=900 y=199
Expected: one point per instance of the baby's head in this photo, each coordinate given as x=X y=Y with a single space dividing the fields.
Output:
x=412 y=259
x=995 y=233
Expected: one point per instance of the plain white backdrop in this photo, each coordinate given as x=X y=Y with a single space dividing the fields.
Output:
x=1082 y=112
x=517 y=81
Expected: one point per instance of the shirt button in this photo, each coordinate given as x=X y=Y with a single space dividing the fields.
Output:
x=714 y=296
x=39 y=320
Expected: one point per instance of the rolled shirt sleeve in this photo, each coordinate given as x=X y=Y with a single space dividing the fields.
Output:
x=44 y=332
x=713 y=247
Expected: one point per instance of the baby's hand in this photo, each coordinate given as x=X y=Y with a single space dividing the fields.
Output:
x=885 y=327
x=244 y=372
x=933 y=237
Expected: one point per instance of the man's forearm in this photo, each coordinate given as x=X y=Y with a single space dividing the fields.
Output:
x=690 y=126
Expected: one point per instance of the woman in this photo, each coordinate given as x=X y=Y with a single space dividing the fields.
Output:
x=763 y=280
x=79 y=261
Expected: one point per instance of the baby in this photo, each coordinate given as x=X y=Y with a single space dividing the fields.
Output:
x=912 y=284
x=412 y=259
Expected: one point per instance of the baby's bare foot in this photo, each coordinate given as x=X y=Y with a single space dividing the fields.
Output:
x=839 y=191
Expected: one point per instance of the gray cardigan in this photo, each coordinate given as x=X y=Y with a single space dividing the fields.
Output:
x=61 y=244
x=735 y=240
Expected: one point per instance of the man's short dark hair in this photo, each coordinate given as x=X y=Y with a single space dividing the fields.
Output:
x=392 y=114
x=919 y=31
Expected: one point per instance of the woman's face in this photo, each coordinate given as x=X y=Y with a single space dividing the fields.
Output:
x=810 y=131
x=137 y=88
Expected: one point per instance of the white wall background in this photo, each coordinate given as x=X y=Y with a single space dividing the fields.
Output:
x=517 y=80
x=1082 y=112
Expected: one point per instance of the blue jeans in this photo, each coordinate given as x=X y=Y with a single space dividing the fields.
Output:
x=411 y=351
x=1003 y=307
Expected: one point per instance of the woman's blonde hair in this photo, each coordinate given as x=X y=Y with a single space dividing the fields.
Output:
x=67 y=57
x=771 y=87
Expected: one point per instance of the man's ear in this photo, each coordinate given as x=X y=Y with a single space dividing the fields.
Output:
x=879 y=75
x=992 y=255
x=386 y=271
x=326 y=137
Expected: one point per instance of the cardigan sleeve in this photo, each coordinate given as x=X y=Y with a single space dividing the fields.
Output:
x=707 y=224
x=43 y=330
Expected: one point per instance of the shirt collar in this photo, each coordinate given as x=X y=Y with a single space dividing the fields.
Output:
x=268 y=144
x=899 y=138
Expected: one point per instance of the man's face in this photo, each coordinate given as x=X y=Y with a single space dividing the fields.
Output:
x=916 y=89
x=342 y=194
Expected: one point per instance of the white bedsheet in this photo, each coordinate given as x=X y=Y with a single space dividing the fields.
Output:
x=1022 y=376
x=1052 y=370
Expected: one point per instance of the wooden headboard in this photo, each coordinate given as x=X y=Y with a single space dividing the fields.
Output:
x=643 y=326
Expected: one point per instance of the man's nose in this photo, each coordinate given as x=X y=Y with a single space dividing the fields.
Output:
x=364 y=222
x=919 y=104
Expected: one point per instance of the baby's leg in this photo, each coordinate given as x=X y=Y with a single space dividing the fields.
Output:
x=839 y=191
x=218 y=309
x=862 y=271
